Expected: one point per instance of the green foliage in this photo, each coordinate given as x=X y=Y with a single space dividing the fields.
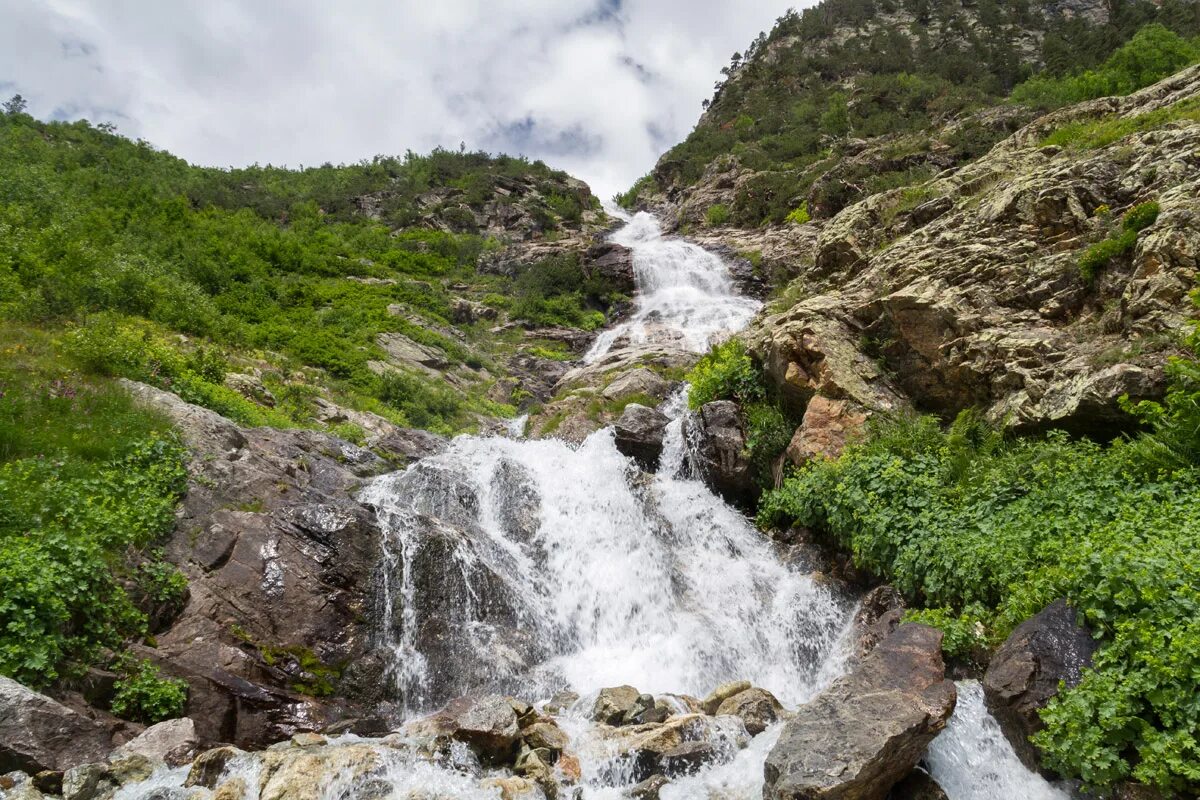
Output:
x=144 y=695
x=799 y=216
x=725 y=373
x=644 y=185
x=980 y=532
x=717 y=215
x=1102 y=132
x=161 y=581
x=1153 y=53
x=556 y=292
x=1098 y=256
x=768 y=432
x=423 y=403
x=88 y=482
x=314 y=676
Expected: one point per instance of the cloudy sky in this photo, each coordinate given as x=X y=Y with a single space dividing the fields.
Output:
x=596 y=87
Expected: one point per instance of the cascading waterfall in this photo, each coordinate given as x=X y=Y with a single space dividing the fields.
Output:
x=686 y=295
x=533 y=566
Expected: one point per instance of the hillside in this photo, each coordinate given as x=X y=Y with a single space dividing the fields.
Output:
x=853 y=97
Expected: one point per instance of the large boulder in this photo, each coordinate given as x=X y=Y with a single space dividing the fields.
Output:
x=487 y=724
x=717 y=449
x=174 y=742
x=639 y=381
x=674 y=747
x=38 y=733
x=612 y=263
x=828 y=426
x=868 y=730
x=638 y=433
x=1044 y=651
x=756 y=708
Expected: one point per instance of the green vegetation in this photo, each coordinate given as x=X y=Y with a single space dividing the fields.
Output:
x=1119 y=242
x=144 y=695
x=717 y=215
x=1092 y=134
x=800 y=215
x=1154 y=53
x=88 y=485
x=980 y=531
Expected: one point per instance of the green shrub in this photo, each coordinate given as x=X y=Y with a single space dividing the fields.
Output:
x=423 y=403
x=800 y=215
x=1097 y=256
x=144 y=695
x=717 y=215
x=726 y=372
x=768 y=432
x=964 y=634
x=1141 y=216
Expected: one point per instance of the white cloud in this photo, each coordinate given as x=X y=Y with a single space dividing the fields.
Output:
x=584 y=84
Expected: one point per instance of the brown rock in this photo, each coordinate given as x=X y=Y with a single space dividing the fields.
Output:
x=757 y=708
x=828 y=426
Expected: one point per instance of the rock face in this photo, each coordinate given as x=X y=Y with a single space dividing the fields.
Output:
x=716 y=448
x=280 y=563
x=828 y=426
x=639 y=434
x=867 y=731
x=38 y=733
x=1024 y=674
x=613 y=263
x=965 y=291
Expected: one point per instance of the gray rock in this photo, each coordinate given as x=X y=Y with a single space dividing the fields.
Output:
x=717 y=450
x=615 y=704
x=1023 y=676
x=639 y=381
x=487 y=724
x=38 y=733
x=918 y=785
x=639 y=434
x=612 y=263
x=174 y=742
x=867 y=731
x=86 y=782
x=756 y=708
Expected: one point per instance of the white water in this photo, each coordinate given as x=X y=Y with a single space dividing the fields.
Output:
x=549 y=566
x=686 y=295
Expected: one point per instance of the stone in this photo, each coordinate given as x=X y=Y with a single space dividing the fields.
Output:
x=513 y=788
x=613 y=263
x=614 y=705
x=756 y=708
x=639 y=381
x=38 y=733
x=917 y=785
x=545 y=736
x=251 y=387
x=487 y=724
x=717 y=450
x=131 y=768
x=722 y=693
x=403 y=446
x=48 y=781
x=681 y=741
x=649 y=788
x=687 y=758
x=174 y=742
x=1023 y=676
x=639 y=432
x=208 y=767
x=827 y=427
x=85 y=782
x=879 y=613
x=869 y=729
x=561 y=701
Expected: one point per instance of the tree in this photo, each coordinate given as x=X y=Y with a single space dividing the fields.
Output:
x=15 y=105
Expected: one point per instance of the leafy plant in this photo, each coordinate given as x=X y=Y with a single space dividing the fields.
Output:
x=799 y=216
x=717 y=215
x=726 y=372
x=144 y=695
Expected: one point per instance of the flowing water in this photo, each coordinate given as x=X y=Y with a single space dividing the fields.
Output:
x=533 y=566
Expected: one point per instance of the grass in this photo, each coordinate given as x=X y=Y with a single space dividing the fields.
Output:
x=1094 y=134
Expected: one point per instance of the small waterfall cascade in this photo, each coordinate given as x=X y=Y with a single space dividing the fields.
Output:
x=686 y=295
x=534 y=567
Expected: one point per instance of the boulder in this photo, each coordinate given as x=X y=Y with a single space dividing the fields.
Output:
x=487 y=724
x=616 y=705
x=38 y=733
x=639 y=434
x=828 y=426
x=87 y=781
x=635 y=382
x=868 y=730
x=406 y=445
x=679 y=745
x=722 y=693
x=717 y=450
x=879 y=613
x=612 y=263
x=756 y=708
x=1025 y=673
x=174 y=742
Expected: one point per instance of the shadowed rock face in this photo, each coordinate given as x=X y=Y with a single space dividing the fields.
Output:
x=1024 y=674
x=38 y=733
x=867 y=731
x=717 y=450
x=280 y=560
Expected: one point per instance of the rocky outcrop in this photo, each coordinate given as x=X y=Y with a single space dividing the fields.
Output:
x=612 y=263
x=1044 y=651
x=965 y=291
x=38 y=733
x=638 y=433
x=280 y=563
x=716 y=444
x=868 y=730
x=827 y=427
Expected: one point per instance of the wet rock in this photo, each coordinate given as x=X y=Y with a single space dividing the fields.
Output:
x=1023 y=676
x=304 y=773
x=174 y=742
x=684 y=739
x=545 y=736
x=918 y=785
x=86 y=782
x=38 y=733
x=561 y=701
x=131 y=768
x=639 y=434
x=722 y=693
x=649 y=788
x=717 y=449
x=616 y=705
x=403 y=446
x=487 y=724
x=687 y=758
x=613 y=263
x=513 y=788
x=48 y=781
x=867 y=731
x=756 y=708
x=637 y=382
x=879 y=614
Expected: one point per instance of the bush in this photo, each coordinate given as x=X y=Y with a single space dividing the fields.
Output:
x=1097 y=256
x=144 y=695
x=726 y=372
x=717 y=215
x=1141 y=216
x=800 y=215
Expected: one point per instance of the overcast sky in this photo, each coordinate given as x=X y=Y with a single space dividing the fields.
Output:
x=597 y=87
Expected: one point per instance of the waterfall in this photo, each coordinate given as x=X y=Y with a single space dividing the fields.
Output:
x=686 y=295
x=528 y=567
